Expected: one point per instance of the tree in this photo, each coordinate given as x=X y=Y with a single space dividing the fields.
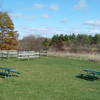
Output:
x=8 y=37
x=31 y=42
x=46 y=43
x=61 y=37
x=83 y=39
x=66 y=38
x=96 y=39
x=27 y=43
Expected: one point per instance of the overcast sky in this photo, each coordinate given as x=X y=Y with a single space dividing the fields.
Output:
x=49 y=17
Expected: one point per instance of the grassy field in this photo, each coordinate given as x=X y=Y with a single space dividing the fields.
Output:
x=49 y=78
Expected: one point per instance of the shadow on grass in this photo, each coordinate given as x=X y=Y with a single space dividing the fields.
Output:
x=3 y=76
x=87 y=77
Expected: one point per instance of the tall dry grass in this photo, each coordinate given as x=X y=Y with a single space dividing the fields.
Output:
x=91 y=57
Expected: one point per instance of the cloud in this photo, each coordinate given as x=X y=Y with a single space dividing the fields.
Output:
x=46 y=16
x=33 y=29
x=84 y=30
x=39 y=29
x=16 y=15
x=64 y=20
x=20 y=15
x=93 y=23
x=38 y=6
x=54 y=7
x=94 y=31
x=46 y=31
x=49 y=31
x=81 y=4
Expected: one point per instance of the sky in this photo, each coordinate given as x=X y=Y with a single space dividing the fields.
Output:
x=49 y=17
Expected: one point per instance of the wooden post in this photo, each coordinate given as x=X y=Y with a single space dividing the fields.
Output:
x=7 y=54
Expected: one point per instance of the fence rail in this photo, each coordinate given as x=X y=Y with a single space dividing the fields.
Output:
x=21 y=54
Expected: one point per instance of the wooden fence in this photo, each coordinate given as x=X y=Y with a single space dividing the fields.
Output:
x=28 y=54
x=21 y=54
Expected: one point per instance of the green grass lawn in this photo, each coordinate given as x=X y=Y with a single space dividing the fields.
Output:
x=49 y=78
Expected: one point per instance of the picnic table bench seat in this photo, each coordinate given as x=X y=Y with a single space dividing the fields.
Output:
x=5 y=74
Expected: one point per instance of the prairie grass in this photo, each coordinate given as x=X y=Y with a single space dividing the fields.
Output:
x=91 y=57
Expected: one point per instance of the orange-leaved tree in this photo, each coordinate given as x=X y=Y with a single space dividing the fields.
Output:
x=8 y=37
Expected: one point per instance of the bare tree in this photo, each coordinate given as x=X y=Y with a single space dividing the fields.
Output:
x=31 y=43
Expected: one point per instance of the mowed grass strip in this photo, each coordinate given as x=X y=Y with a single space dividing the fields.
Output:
x=49 y=78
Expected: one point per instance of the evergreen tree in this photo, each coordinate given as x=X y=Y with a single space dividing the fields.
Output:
x=66 y=38
x=61 y=37
x=96 y=39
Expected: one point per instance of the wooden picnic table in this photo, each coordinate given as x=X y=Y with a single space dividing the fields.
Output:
x=90 y=74
x=7 y=72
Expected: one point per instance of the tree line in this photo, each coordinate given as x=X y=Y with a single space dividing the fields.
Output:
x=60 y=42
x=80 y=39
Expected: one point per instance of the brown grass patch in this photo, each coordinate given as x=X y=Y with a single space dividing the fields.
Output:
x=91 y=57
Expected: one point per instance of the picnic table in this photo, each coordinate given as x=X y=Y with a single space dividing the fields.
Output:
x=90 y=74
x=7 y=72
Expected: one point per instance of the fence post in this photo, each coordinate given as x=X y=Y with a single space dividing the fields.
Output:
x=7 y=54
